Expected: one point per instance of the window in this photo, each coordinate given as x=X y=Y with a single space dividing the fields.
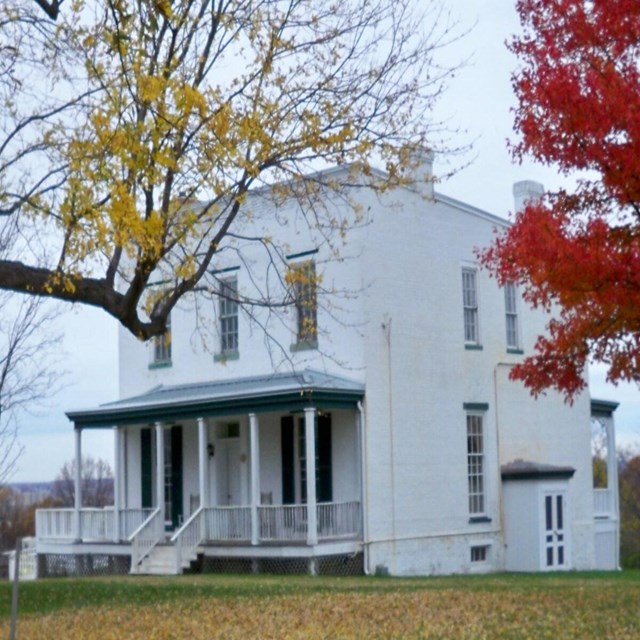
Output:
x=228 y=316
x=479 y=553
x=162 y=346
x=511 y=311
x=475 y=464
x=303 y=278
x=470 y=304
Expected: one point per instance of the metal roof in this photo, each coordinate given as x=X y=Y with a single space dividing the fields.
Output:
x=290 y=391
x=527 y=470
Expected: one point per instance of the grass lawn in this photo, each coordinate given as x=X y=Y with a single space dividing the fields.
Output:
x=574 y=605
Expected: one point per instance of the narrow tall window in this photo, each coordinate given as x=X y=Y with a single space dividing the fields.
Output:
x=511 y=312
x=475 y=464
x=162 y=346
x=228 y=316
x=470 y=304
x=305 y=296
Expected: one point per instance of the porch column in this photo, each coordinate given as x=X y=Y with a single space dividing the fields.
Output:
x=77 y=505
x=255 y=477
x=310 y=453
x=160 y=467
x=203 y=463
x=117 y=479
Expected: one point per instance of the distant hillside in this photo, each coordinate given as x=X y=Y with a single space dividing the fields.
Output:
x=33 y=491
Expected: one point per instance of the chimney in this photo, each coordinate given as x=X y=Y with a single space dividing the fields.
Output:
x=526 y=191
x=421 y=175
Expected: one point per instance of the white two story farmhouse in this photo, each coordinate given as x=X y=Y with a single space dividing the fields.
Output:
x=368 y=426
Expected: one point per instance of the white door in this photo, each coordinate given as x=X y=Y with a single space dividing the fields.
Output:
x=228 y=476
x=555 y=533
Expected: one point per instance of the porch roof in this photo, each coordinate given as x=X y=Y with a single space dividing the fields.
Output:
x=291 y=391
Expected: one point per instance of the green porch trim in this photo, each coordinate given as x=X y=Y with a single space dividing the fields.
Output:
x=475 y=406
x=603 y=407
x=290 y=401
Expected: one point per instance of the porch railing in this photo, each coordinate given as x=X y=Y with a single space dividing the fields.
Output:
x=602 y=503
x=282 y=522
x=131 y=519
x=55 y=524
x=339 y=520
x=97 y=524
x=276 y=523
x=145 y=538
x=228 y=523
x=190 y=535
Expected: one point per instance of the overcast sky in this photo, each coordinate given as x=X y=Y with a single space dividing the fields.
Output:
x=478 y=103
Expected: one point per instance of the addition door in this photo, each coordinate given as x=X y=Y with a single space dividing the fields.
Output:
x=555 y=533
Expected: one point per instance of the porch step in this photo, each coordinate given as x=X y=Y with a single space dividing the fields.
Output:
x=160 y=562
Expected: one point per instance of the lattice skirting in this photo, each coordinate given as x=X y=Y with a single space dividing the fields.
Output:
x=338 y=565
x=56 y=565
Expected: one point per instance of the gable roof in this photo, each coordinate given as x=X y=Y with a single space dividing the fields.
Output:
x=290 y=391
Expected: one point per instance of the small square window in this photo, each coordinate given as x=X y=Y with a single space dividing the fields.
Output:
x=479 y=553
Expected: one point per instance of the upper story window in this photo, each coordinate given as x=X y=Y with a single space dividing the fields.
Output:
x=162 y=346
x=470 y=305
x=511 y=315
x=305 y=296
x=228 y=316
x=475 y=464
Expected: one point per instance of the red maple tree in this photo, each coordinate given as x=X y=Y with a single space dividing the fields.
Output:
x=578 y=109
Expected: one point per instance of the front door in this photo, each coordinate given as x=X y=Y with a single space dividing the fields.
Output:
x=173 y=503
x=555 y=537
x=228 y=476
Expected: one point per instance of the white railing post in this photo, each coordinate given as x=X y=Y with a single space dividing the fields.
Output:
x=77 y=505
x=160 y=498
x=255 y=477
x=203 y=468
x=117 y=469
x=310 y=452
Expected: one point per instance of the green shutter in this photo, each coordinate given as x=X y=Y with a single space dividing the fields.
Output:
x=286 y=448
x=324 y=480
x=176 y=476
x=146 y=464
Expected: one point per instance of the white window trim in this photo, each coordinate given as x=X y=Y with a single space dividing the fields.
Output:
x=512 y=313
x=161 y=348
x=472 y=270
x=224 y=283
x=475 y=496
x=301 y=339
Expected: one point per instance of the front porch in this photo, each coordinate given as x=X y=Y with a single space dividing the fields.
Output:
x=208 y=479
x=212 y=531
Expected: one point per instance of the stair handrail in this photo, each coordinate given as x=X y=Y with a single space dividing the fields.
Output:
x=189 y=536
x=141 y=544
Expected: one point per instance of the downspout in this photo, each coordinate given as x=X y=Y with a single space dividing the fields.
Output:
x=500 y=486
x=386 y=326
x=364 y=486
